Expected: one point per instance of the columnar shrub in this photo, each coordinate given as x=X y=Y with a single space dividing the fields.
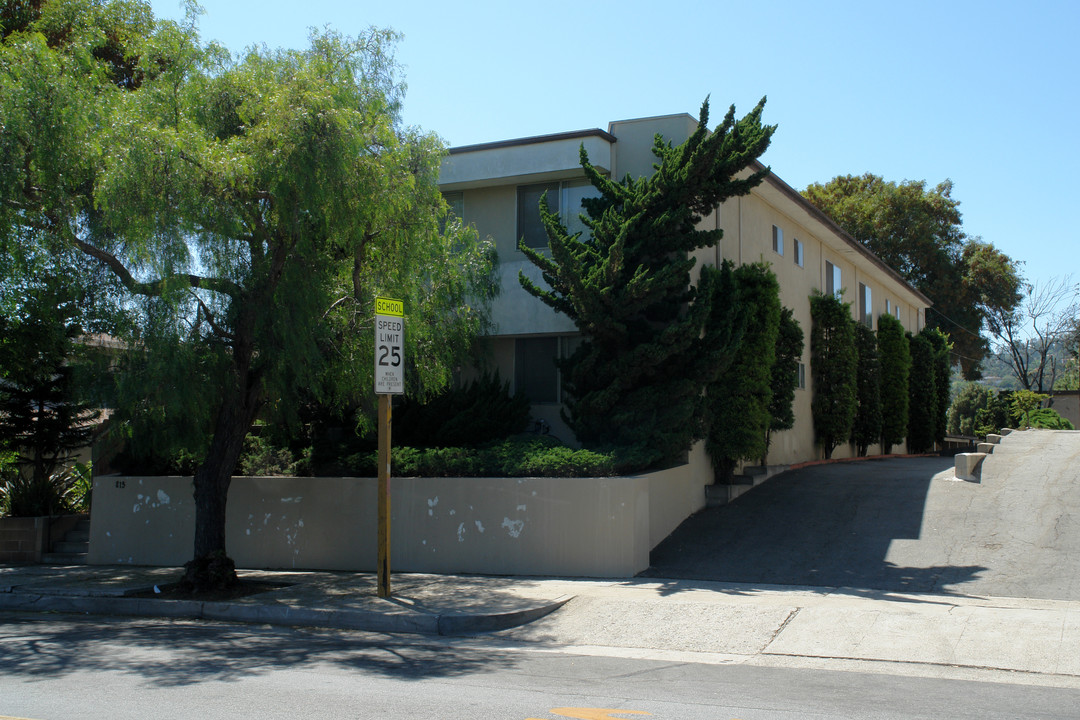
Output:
x=922 y=395
x=895 y=367
x=867 y=428
x=739 y=398
x=785 y=376
x=833 y=362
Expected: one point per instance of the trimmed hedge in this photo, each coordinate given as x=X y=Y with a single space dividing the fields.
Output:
x=515 y=457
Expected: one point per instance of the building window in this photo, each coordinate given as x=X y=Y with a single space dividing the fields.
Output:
x=866 y=306
x=802 y=376
x=456 y=201
x=798 y=247
x=535 y=374
x=530 y=229
x=888 y=306
x=563 y=198
x=777 y=240
x=834 y=283
x=896 y=311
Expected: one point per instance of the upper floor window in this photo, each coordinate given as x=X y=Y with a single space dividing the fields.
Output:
x=456 y=201
x=777 y=240
x=866 y=306
x=797 y=246
x=563 y=198
x=834 y=282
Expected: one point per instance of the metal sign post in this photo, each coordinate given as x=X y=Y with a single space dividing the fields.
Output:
x=389 y=380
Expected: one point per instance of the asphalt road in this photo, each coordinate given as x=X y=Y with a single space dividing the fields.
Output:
x=901 y=525
x=55 y=667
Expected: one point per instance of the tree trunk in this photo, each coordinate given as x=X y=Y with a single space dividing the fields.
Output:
x=211 y=568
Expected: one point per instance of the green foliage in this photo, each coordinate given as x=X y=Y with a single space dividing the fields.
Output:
x=42 y=417
x=522 y=456
x=971 y=398
x=478 y=413
x=834 y=360
x=740 y=397
x=895 y=357
x=922 y=395
x=867 y=427
x=250 y=207
x=1048 y=419
x=1023 y=402
x=66 y=490
x=262 y=457
x=648 y=346
x=942 y=379
x=917 y=231
x=785 y=372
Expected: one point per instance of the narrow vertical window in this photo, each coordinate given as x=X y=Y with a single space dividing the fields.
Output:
x=866 y=306
x=834 y=284
x=777 y=240
x=802 y=376
x=798 y=246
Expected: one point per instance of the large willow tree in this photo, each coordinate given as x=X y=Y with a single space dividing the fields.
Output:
x=648 y=344
x=250 y=207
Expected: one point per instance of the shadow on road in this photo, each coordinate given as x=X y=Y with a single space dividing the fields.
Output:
x=174 y=654
x=824 y=526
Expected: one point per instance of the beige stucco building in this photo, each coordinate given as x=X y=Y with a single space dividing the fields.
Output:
x=496 y=187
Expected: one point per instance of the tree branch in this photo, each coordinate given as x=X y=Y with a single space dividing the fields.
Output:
x=155 y=287
x=217 y=329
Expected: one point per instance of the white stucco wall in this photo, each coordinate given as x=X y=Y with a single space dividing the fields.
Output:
x=586 y=527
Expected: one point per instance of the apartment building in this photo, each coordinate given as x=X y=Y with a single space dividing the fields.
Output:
x=497 y=187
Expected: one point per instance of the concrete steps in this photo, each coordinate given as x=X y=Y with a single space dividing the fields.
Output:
x=752 y=475
x=73 y=549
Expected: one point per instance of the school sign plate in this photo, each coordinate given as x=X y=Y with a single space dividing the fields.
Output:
x=389 y=346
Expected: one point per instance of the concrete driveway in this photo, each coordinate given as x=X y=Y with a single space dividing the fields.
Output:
x=901 y=525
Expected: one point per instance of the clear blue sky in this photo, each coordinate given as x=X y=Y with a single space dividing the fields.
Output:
x=983 y=93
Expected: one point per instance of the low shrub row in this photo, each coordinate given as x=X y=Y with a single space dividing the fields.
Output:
x=528 y=456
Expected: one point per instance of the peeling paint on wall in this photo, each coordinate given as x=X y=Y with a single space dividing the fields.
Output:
x=431 y=503
x=514 y=527
x=162 y=497
x=461 y=532
x=479 y=526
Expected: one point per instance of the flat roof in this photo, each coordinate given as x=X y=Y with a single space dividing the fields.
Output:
x=554 y=137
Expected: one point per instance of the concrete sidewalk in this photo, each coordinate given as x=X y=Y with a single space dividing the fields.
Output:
x=720 y=622
x=428 y=604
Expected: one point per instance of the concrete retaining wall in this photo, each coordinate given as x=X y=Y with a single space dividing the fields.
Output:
x=599 y=527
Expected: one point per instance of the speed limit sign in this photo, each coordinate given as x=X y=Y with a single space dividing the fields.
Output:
x=389 y=346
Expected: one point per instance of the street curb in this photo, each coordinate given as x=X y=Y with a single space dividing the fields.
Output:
x=282 y=615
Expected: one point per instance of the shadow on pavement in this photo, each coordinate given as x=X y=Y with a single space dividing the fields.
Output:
x=174 y=654
x=822 y=526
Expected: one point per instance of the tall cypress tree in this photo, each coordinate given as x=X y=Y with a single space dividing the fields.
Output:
x=922 y=395
x=740 y=397
x=785 y=377
x=895 y=366
x=833 y=362
x=942 y=379
x=648 y=347
x=867 y=428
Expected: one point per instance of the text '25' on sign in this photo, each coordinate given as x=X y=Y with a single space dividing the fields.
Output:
x=389 y=346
